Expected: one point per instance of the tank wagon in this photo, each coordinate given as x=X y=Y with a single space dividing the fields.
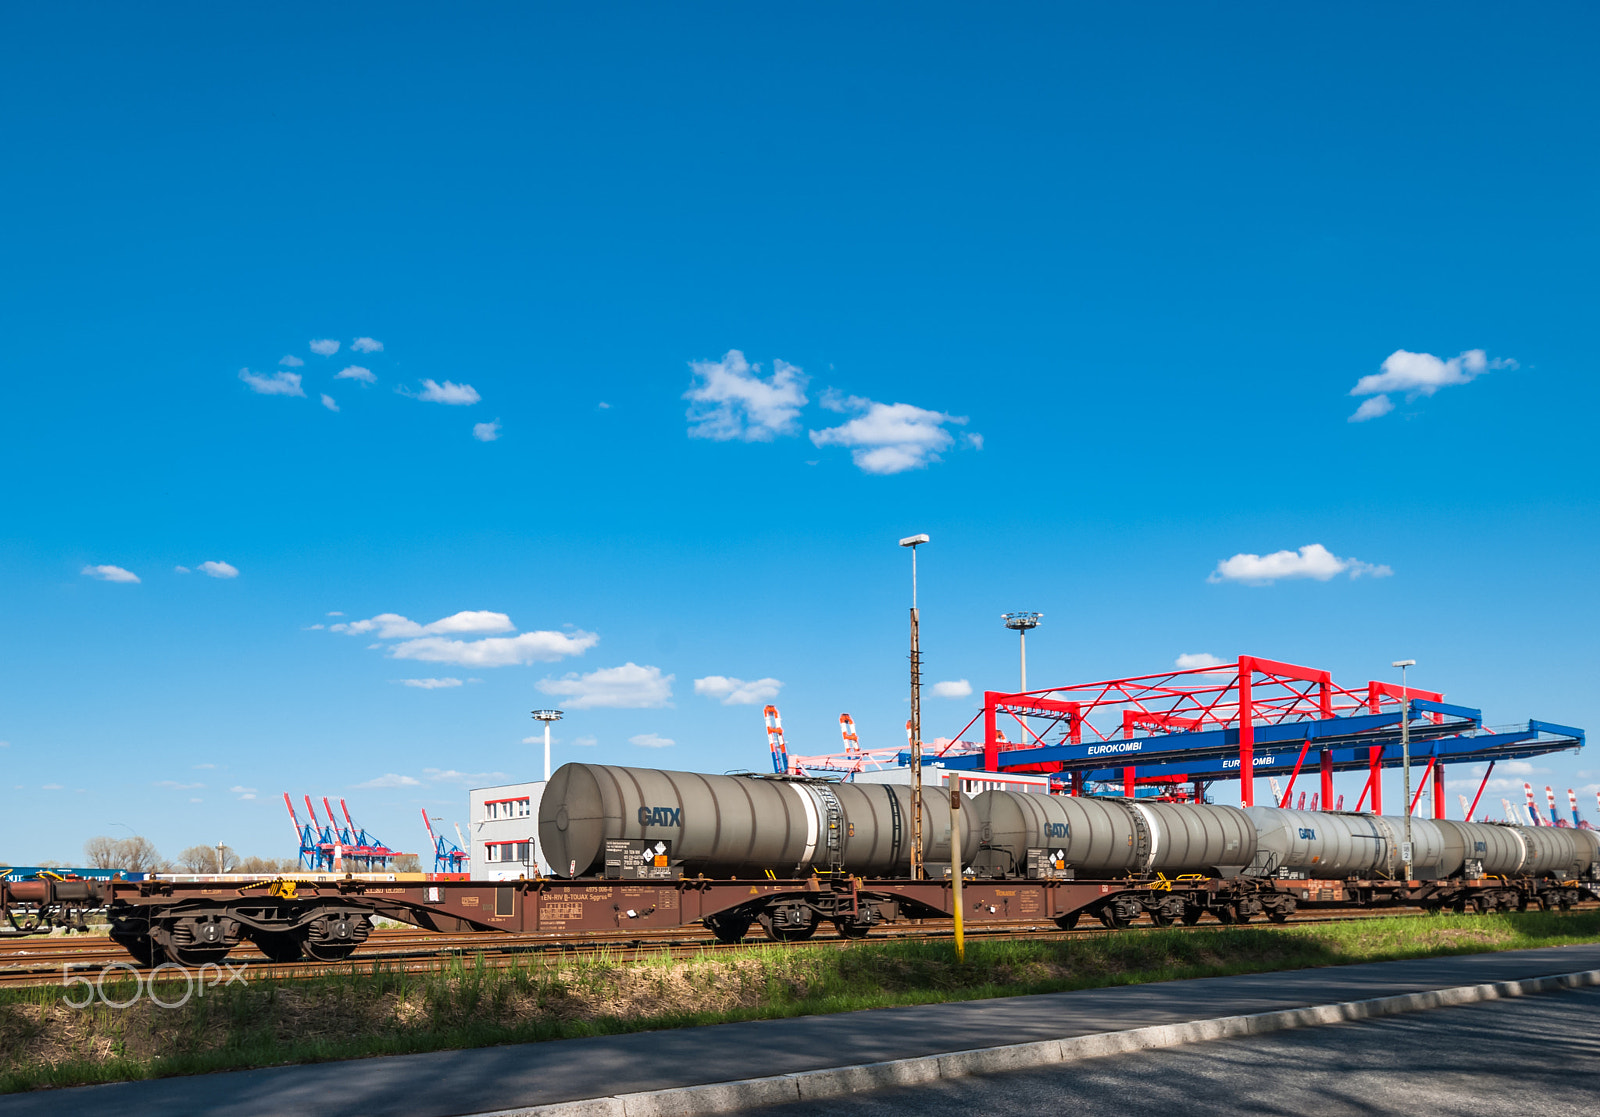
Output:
x=645 y=850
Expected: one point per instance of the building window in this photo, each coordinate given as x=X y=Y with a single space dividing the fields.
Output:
x=507 y=852
x=507 y=808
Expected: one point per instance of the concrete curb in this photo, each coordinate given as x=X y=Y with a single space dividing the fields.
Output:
x=833 y=1082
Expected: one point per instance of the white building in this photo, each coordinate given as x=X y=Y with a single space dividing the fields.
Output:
x=504 y=832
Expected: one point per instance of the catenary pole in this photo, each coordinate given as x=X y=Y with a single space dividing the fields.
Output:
x=914 y=541
x=1405 y=760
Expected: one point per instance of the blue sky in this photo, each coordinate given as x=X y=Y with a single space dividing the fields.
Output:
x=686 y=315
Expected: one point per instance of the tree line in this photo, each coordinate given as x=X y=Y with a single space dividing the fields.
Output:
x=139 y=855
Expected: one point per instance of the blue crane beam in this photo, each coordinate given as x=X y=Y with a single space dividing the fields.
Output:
x=1373 y=729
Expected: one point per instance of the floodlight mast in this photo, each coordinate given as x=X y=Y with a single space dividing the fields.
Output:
x=915 y=541
x=547 y=716
x=1405 y=762
x=1021 y=623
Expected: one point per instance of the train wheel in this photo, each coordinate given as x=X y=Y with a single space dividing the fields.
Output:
x=1068 y=922
x=1110 y=919
x=1160 y=918
x=728 y=929
x=1278 y=916
x=280 y=946
x=141 y=946
x=1227 y=914
x=1191 y=916
x=850 y=929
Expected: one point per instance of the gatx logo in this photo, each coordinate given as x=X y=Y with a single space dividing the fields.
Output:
x=1308 y=834
x=1057 y=830
x=659 y=816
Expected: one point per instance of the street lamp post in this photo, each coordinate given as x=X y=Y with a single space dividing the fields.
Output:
x=1405 y=761
x=915 y=541
x=547 y=716
x=1021 y=623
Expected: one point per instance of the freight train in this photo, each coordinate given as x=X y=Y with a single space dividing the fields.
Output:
x=642 y=850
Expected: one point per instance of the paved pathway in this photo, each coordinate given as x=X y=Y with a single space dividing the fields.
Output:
x=1511 y=1058
x=446 y=1083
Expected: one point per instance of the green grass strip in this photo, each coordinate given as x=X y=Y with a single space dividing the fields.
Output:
x=366 y=1009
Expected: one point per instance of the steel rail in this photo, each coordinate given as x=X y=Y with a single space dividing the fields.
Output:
x=396 y=955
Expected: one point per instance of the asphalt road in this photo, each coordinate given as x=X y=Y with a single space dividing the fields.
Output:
x=444 y=1083
x=1530 y=1055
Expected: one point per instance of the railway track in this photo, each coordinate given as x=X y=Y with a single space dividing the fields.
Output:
x=44 y=961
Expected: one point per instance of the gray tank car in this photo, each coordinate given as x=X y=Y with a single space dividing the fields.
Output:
x=1097 y=837
x=1330 y=846
x=741 y=826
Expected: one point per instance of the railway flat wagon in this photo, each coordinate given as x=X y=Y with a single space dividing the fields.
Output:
x=646 y=851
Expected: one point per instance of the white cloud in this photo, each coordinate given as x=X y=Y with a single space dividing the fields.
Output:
x=730 y=399
x=737 y=692
x=219 y=569
x=5 y=744
x=651 y=741
x=1371 y=409
x=176 y=786
x=629 y=687
x=498 y=651
x=887 y=437
x=334 y=613
x=50 y=787
x=1311 y=561
x=953 y=688
x=430 y=643
x=367 y=345
x=587 y=742
x=604 y=406
x=389 y=779
x=328 y=402
x=356 y=372
x=1419 y=374
x=199 y=767
x=486 y=432
x=1189 y=660
x=240 y=790
x=392 y=626
x=181 y=570
x=450 y=775
x=291 y=361
x=325 y=347
x=448 y=392
x=430 y=684
x=108 y=573
x=278 y=384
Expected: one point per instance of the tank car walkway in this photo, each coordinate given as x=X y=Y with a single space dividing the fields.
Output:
x=447 y=1083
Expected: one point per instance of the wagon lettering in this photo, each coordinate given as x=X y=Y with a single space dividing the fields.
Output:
x=660 y=816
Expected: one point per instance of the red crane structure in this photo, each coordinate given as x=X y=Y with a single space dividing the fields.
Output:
x=1242 y=719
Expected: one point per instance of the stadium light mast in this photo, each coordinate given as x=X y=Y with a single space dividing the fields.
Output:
x=1021 y=623
x=915 y=541
x=1405 y=761
x=547 y=716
